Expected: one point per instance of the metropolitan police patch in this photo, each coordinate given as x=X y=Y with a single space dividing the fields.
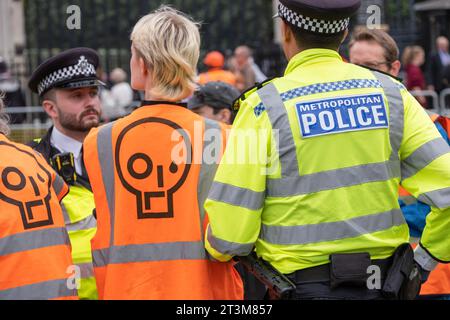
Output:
x=344 y=114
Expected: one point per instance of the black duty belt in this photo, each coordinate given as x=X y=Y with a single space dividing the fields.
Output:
x=322 y=273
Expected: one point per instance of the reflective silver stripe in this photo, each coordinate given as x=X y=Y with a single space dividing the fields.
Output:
x=236 y=196
x=438 y=199
x=33 y=240
x=39 y=291
x=279 y=118
x=66 y=215
x=106 y=159
x=309 y=234
x=87 y=270
x=426 y=261
x=229 y=248
x=423 y=156
x=208 y=170
x=331 y=180
x=58 y=184
x=396 y=112
x=89 y=223
x=149 y=253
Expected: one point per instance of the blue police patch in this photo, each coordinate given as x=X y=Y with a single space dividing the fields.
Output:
x=345 y=114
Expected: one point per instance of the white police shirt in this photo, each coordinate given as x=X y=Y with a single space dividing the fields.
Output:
x=66 y=144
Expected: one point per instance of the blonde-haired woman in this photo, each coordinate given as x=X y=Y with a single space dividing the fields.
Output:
x=150 y=178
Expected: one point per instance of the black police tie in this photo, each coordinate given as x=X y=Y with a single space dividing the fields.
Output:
x=83 y=167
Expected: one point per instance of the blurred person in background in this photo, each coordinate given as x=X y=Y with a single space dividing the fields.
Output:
x=214 y=101
x=376 y=50
x=215 y=62
x=119 y=98
x=413 y=59
x=243 y=64
x=437 y=64
x=13 y=95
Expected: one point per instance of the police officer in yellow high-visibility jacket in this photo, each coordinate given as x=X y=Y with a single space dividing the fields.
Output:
x=67 y=86
x=311 y=173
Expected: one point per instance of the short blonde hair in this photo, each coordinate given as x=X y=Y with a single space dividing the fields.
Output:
x=4 y=129
x=169 y=43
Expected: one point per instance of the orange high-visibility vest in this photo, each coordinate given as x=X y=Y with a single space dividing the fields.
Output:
x=35 y=258
x=150 y=185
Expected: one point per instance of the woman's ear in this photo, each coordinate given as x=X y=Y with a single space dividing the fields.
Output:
x=143 y=68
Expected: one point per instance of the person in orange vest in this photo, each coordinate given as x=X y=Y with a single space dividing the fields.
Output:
x=35 y=259
x=215 y=62
x=376 y=49
x=151 y=172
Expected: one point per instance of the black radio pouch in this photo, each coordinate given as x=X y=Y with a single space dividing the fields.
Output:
x=349 y=270
x=64 y=165
x=403 y=280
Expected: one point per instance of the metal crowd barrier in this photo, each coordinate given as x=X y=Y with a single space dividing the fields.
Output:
x=445 y=107
x=436 y=107
x=34 y=125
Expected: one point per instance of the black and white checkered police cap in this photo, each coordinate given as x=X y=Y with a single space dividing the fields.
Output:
x=74 y=68
x=318 y=16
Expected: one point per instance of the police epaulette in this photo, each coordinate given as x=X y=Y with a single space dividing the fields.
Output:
x=249 y=92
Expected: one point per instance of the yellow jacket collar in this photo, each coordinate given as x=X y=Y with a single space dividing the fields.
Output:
x=312 y=56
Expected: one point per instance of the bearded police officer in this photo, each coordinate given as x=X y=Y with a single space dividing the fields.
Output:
x=67 y=85
x=321 y=204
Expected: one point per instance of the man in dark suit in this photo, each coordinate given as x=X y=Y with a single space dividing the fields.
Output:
x=438 y=63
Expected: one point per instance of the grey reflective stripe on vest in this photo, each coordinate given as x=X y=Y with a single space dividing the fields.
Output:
x=396 y=112
x=426 y=261
x=438 y=199
x=311 y=234
x=149 y=253
x=279 y=118
x=229 y=248
x=66 y=215
x=106 y=159
x=39 y=291
x=87 y=270
x=89 y=223
x=423 y=156
x=208 y=170
x=236 y=196
x=331 y=180
x=58 y=184
x=33 y=240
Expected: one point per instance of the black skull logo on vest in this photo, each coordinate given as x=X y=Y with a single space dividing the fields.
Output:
x=153 y=175
x=25 y=188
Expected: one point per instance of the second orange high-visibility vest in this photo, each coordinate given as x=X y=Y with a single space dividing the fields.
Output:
x=151 y=173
